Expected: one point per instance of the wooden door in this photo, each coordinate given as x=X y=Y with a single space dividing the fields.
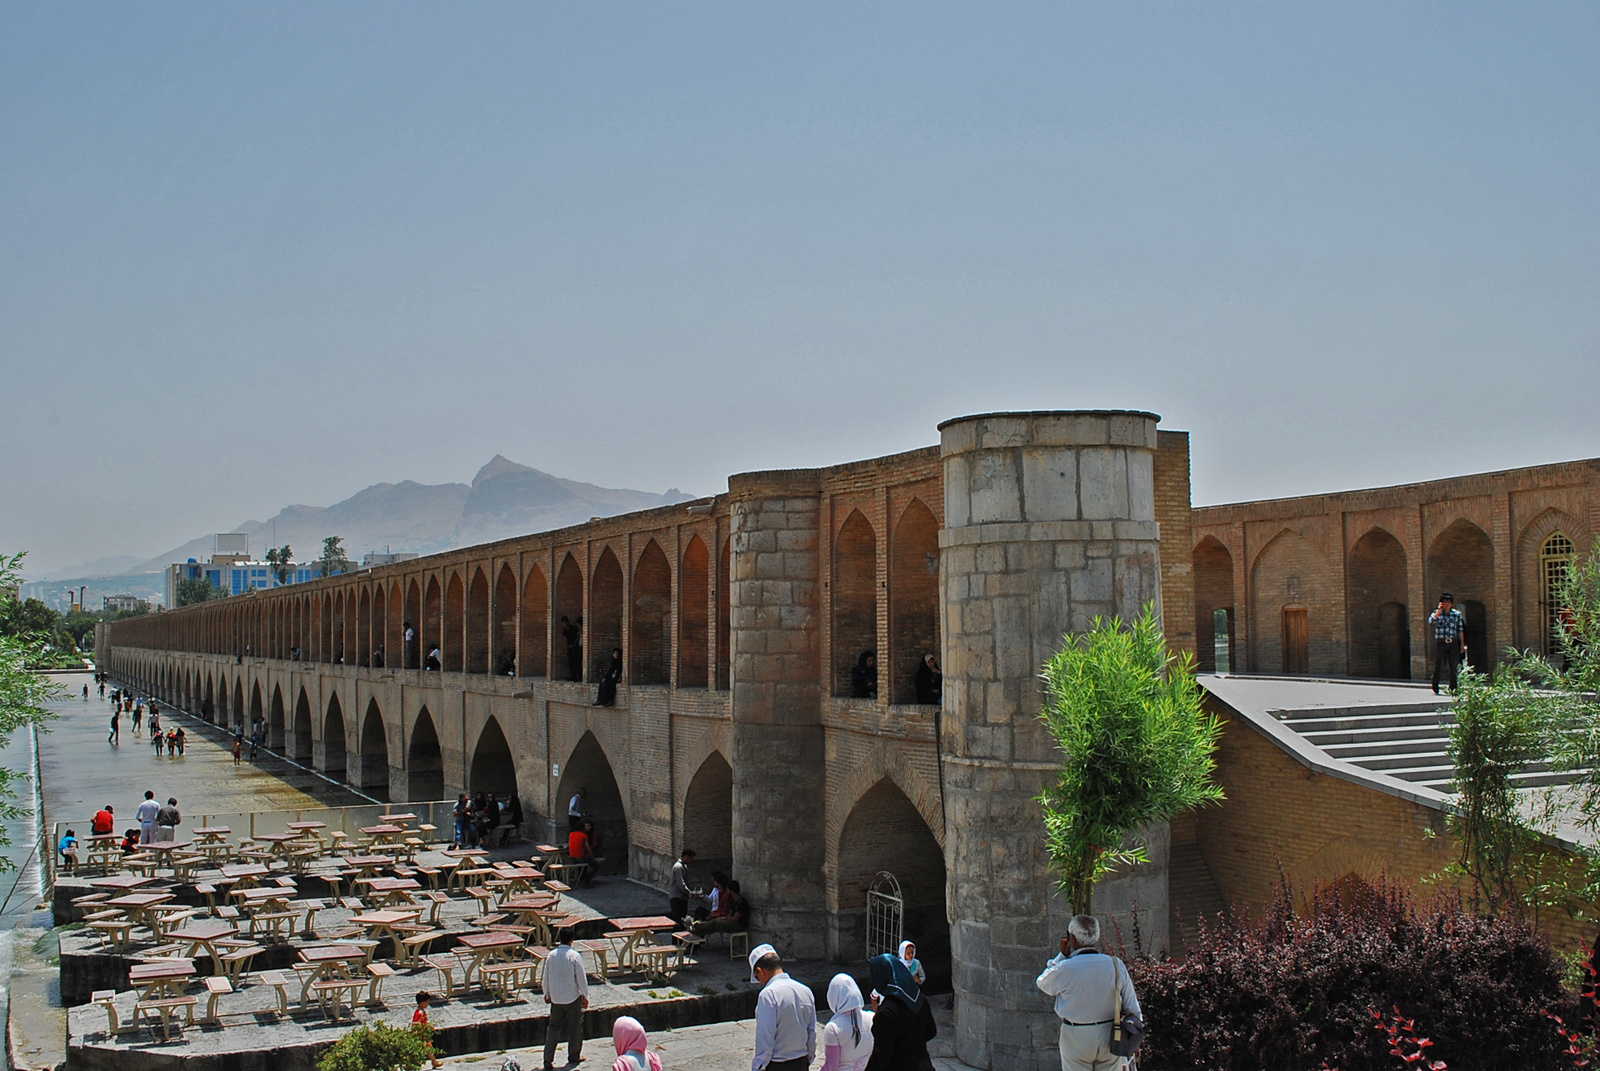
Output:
x=1296 y=640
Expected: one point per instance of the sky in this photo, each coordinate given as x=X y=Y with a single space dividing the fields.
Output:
x=262 y=254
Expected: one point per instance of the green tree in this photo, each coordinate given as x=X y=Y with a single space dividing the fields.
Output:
x=193 y=589
x=334 y=560
x=1137 y=747
x=377 y=1048
x=282 y=561
x=23 y=693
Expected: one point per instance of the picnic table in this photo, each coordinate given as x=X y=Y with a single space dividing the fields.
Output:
x=465 y=853
x=279 y=842
x=211 y=834
x=521 y=878
x=103 y=850
x=384 y=833
x=327 y=961
x=632 y=930
x=381 y=924
x=138 y=905
x=389 y=891
x=397 y=819
x=244 y=875
x=486 y=947
x=160 y=977
x=366 y=864
x=303 y=828
x=125 y=882
x=204 y=934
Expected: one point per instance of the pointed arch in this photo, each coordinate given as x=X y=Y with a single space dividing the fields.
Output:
x=533 y=638
x=650 y=619
x=1213 y=591
x=1287 y=633
x=275 y=720
x=1378 y=586
x=236 y=713
x=588 y=767
x=725 y=615
x=605 y=612
x=333 y=740
x=364 y=626
x=374 y=753
x=424 y=761
x=913 y=598
x=569 y=613
x=912 y=855
x=503 y=641
x=379 y=629
x=411 y=620
x=432 y=621
x=300 y=740
x=257 y=708
x=493 y=769
x=694 y=616
x=454 y=613
x=475 y=658
x=708 y=814
x=855 y=597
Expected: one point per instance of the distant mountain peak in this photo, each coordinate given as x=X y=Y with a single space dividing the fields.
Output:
x=500 y=465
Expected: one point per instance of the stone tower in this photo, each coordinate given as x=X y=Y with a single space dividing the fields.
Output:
x=1049 y=522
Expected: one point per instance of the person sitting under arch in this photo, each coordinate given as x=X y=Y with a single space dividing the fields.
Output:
x=864 y=677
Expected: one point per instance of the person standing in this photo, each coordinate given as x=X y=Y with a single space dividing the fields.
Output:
x=864 y=677
x=1449 y=639
x=786 y=1016
x=847 y=1039
x=167 y=821
x=238 y=748
x=146 y=817
x=115 y=736
x=633 y=1049
x=908 y=956
x=903 y=1024
x=566 y=990
x=138 y=715
x=678 y=891
x=180 y=739
x=1084 y=982
x=572 y=632
x=576 y=811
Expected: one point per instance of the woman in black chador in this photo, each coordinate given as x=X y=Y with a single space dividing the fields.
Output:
x=610 y=679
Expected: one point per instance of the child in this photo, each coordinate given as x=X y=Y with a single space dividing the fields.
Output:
x=69 y=850
x=419 y=1023
x=130 y=841
x=238 y=749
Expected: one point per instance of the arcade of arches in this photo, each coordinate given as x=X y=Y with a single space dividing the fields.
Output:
x=739 y=618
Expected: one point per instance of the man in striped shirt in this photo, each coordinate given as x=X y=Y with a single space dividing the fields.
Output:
x=1449 y=639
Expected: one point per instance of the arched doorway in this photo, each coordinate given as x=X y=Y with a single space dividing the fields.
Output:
x=913 y=597
x=374 y=753
x=724 y=615
x=454 y=611
x=301 y=743
x=587 y=767
x=424 y=762
x=412 y=619
x=364 y=627
x=504 y=640
x=333 y=743
x=1380 y=634
x=493 y=769
x=1284 y=636
x=651 y=620
x=569 y=608
x=1213 y=591
x=432 y=619
x=694 y=616
x=605 y=613
x=477 y=649
x=257 y=713
x=1461 y=561
x=912 y=854
x=236 y=715
x=708 y=815
x=208 y=704
x=533 y=640
x=855 y=598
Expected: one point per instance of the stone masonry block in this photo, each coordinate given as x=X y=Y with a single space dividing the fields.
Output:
x=995 y=491
x=1102 y=484
x=1050 y=484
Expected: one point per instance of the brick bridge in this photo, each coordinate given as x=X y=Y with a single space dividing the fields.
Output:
x=740 y=618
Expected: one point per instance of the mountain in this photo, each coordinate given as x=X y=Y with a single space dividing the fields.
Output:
x=504 y=499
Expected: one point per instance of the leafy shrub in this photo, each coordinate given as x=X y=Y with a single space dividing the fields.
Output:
x=377 y=1048
x=1297 y=989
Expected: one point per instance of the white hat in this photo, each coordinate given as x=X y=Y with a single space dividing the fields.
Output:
x=756 y=955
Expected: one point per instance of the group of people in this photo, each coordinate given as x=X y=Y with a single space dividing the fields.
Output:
x=172 y=740
x=476 y=816
x=723 y=910
x=928 y=685
x=158 y=823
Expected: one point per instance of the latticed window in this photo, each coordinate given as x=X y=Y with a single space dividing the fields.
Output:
x=1555 y=563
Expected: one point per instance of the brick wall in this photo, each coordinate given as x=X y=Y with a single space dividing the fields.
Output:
x=1173 y=511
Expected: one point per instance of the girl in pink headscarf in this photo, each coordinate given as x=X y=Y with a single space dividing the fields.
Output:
x=632 y=1055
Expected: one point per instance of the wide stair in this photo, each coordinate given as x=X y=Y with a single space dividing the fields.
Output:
x=1407 y=741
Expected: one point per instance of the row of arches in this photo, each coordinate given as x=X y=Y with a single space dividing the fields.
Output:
x=1292 y=616
x=912 y=596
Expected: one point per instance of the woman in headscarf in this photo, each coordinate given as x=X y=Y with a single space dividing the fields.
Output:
x=609 y=680
x=864 y=677
x=904 y=1024
x=930 y=682
x=908 y=956
x=632 y=1055
x=847 y=1039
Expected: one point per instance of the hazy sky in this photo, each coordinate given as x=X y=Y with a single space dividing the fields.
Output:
x=270 y=253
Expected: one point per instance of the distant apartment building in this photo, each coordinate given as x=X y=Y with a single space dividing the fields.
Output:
x=123 y=602
x=234 y=575
x=374 y=558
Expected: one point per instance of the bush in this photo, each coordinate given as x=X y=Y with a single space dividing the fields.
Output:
x=377 y=1048
x=1297 y=988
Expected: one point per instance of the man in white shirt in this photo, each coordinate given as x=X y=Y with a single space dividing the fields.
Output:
x=576 y=812
x=786 y=1016
x=1084 y=982
x=678 y=891
x=566 y=990
x=146 y=815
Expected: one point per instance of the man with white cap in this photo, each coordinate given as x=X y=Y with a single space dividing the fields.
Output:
x=786 y=1016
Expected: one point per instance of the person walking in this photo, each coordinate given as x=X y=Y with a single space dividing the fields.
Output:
x=463 y=816
x=678 y=892
x=238 y=748
x=566 y=990
x=156 y=738
x=423 y=1028
x=255 y=742
x=138 y=714
x=1085 y=983
x=1449 y=639
x=115 y=736
x=179 y=739
x=786 y=1016
x=903 y=1024
x=146 y=817
x=847 y=1039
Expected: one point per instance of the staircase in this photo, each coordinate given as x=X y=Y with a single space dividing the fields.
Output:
x=1408 y=741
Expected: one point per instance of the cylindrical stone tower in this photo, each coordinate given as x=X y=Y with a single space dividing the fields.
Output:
x=1049 y=522
x=779 y=769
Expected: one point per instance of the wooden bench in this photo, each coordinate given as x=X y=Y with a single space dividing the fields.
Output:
x=117 y=933
x=436 y=902
x=217 y=987
x=503 y=979
x=165 y=1008
x=107 y=999
x=209 y=891
x=273 y=923
x=236 y=961
x=379 y=972
x=411 y=945
x=601 y=950
x=311 y=907
x=486 y=899
x=277 y=981
x=446 y=963
x=691 y=942
x=661 y=961
x=336 y=992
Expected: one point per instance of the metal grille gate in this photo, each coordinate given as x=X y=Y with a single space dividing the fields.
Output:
x=885 y=915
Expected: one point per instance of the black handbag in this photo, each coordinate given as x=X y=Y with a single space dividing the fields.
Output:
x=1127 y=1031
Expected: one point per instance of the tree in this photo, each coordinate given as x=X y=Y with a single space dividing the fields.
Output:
x=23 y=693
x=282 y=562
x=193 y=589
x=1137 y=747
x=334 y=560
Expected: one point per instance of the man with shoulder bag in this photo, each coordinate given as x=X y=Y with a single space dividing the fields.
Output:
x=1099 y=1011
